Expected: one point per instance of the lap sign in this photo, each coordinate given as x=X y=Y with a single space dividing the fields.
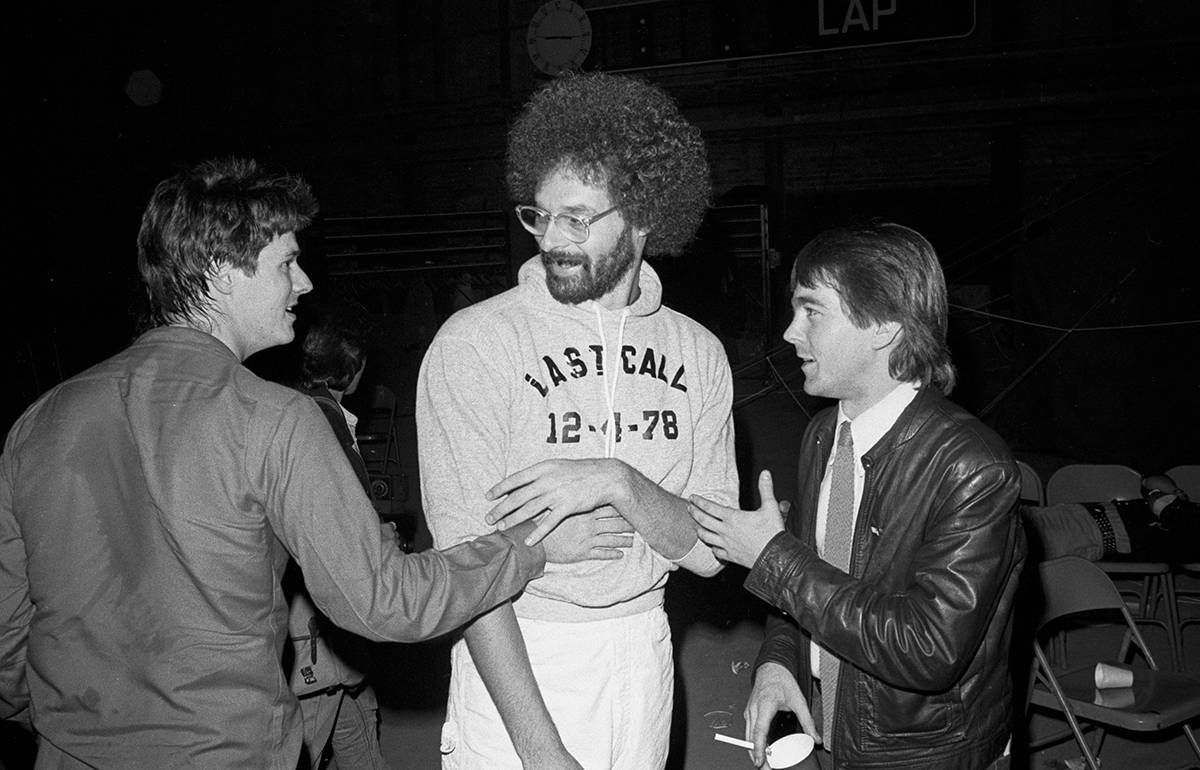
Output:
x=857 y=16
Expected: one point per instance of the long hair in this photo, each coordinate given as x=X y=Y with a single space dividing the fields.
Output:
x=222 y=212
x=887 y=272
x=621 y=133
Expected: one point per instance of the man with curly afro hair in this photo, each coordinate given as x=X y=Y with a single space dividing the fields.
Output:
x=578 y=400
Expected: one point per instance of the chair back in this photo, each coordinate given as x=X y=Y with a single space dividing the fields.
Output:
x=1072 y=584
x=1085 y=483
x=383 y=398
x=1188 y=479
x=1032 y=491
x=377 y=430
x=1152 y=701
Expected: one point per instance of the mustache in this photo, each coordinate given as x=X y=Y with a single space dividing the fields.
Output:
x=562 y=256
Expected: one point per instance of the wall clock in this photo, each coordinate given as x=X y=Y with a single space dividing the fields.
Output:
x=559 y=36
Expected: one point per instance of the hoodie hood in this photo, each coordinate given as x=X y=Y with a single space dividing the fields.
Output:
x=520 y=378
x=532 y=278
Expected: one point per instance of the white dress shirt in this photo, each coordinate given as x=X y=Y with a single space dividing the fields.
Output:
x=352 y=424
x=866 y=430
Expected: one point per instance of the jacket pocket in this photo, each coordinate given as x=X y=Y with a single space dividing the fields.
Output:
x=893 y=718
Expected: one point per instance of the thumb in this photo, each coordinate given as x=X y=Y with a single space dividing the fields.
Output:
x=766 y=489
x=804 y=716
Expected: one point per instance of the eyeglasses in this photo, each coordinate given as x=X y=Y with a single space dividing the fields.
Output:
x=576 y=229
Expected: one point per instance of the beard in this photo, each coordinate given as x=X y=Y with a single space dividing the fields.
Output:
x=598 y=276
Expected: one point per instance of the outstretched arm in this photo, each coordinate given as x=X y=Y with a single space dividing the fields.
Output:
x=921 y=634
x=363 y=582
x=498 y=650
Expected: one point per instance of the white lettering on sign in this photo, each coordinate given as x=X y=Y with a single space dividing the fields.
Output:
x=856 y=16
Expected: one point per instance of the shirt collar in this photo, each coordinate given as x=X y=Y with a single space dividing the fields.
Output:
x=869 y=427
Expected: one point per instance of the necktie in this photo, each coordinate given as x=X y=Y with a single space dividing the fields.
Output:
x=839 y=538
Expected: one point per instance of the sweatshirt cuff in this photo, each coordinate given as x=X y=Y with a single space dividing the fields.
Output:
x=699 y=560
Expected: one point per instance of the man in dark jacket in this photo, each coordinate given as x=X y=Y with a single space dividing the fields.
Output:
x=896 y=571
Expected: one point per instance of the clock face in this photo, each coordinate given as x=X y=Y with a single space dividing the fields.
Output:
x=559 y=36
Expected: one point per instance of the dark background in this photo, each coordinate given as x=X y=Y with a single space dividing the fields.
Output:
x=1047 y=148
x=1048 y=152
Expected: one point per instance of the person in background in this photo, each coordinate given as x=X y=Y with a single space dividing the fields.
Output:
x=329 y=666
x=149 y=507
x=579 y=399
x=1162 y=493
x=1161 y=525
x=895 y=574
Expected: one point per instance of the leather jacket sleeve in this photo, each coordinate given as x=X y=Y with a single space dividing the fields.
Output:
x=913 y=621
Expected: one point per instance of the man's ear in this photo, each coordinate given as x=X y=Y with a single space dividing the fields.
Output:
x=221 y=278
x=887 y=334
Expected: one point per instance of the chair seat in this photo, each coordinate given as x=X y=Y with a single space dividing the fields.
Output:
x=1156 y=701
x=1134 y=567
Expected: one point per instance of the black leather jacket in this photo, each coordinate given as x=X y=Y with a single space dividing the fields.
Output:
x=923 y=622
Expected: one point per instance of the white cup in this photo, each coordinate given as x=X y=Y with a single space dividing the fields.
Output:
x=1110 y=676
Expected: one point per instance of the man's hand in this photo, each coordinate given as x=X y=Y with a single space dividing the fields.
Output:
x=739 y=536
x=775 y=690
x=557 y=487
x=600 y=534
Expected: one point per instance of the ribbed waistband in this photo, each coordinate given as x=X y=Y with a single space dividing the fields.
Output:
x=540 y=608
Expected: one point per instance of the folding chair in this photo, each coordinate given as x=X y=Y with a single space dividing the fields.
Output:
x=377 y=432
x=1032 y=490
x=1158 y=700
x=1033 y=493
x=1088 y=482
x=380 y=450
x=1092 y=482
x=1188 y=479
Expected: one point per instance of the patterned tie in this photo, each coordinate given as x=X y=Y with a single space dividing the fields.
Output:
x=839 y=537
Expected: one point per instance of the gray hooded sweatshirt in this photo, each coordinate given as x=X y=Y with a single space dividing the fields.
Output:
x=520 y=378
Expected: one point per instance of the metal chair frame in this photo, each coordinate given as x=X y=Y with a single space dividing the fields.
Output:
x=1157 y=701
x=1094 y=482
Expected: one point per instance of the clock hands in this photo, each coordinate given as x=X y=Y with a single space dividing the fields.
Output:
x=559 y=36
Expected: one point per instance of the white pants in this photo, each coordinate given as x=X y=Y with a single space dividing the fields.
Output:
x=607 y=683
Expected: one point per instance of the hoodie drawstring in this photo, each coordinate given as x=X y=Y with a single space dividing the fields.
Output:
x=610 y=391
